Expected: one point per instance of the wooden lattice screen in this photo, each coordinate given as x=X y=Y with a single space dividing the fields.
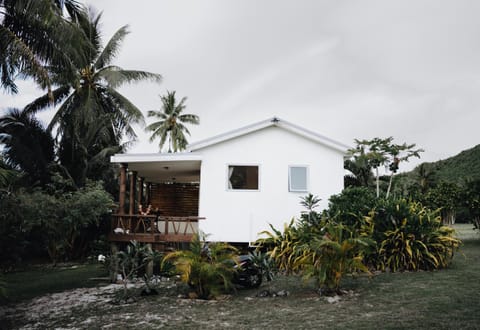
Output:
x=175 y=199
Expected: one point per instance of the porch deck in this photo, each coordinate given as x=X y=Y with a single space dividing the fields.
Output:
x=152 y=228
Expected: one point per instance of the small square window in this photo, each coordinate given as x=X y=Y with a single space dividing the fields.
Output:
x=298 y=178
x=242 y=177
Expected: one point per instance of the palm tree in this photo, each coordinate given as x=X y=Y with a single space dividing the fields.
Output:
x=7 y=175
x=33 y=34
x=360 y=171
x=28 y=147
x=92 y=115
x=171 y=124
x=425 y=176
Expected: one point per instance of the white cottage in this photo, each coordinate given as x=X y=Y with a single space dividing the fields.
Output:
x=231 y=186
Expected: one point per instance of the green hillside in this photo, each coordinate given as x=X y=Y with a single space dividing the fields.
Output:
x=457 y=169
x=464 y=166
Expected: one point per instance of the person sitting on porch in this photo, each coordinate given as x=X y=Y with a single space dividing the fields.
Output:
x=146 y=212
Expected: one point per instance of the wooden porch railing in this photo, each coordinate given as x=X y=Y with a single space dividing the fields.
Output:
x=152 y=228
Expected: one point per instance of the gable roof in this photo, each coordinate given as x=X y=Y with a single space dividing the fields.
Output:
x=271 y=122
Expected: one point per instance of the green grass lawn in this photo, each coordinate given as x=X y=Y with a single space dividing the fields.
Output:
x=40 y=280
x=446 y=299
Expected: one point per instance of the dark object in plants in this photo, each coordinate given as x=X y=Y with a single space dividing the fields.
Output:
x=248 y=274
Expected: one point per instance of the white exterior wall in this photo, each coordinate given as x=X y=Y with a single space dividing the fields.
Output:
x=238 y=216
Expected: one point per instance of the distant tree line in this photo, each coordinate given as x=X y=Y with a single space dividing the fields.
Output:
x=457 y=195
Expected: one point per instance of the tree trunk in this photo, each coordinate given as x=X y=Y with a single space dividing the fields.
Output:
x=378 y=182
x=114 y=263
x=389 y=185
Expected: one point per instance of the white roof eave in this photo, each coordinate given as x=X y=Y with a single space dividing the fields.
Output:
x=155 y=157
x=275 y=121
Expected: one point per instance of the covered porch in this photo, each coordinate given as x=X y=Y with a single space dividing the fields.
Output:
x=158 y=198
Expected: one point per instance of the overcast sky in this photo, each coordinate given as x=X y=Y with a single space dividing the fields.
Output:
x=345 y=69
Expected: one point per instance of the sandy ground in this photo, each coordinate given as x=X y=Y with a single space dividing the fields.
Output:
x=45 y=311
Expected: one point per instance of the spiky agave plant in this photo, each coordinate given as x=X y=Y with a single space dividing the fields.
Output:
x=208 y=268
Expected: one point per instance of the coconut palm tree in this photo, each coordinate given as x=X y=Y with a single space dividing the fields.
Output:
x=33 y=34
x=360 y=171
x=6 y=174
x=27 y=146
x=92 y=115
x=171 y=123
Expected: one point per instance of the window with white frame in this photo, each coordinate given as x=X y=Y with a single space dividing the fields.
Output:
x=298 y=178
x=242 y=177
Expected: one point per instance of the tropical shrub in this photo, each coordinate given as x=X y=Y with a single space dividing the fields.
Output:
x=446 y=196
x=310 y=217
x=208 y=268
x=265 y=263
x=131 y=261
x=3 y=288
x=12 y=231
x=283 y=246
x=64 y=223
x=472 y=202
x=328 y=258
x=325 y=256
x=351 y=205
x=409 y=237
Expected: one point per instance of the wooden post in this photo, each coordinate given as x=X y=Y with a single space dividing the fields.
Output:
x=114 y=266
x=133 y=179
x=140 y=192
x=149 y=266
x=123 y=188
x=148 y=193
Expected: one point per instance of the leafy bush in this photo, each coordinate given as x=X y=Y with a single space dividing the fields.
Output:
x=282 y=246
x=265 y=263
x=409 y=237
x=329 y=257
x=12 y=230
x=310 y=217
x=131 y=261
x=64 y=223
x=3 y=288
x=390 y=234
x=351 y=205
x=326 y=257
x=208 y=268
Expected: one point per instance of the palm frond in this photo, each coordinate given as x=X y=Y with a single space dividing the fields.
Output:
x=19 y=56
x=130 y=111
x=190 y=119
x=112 y=48
x=116 y=77
x=45 y=101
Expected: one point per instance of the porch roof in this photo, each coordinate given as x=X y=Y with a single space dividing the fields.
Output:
x=159 y=168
